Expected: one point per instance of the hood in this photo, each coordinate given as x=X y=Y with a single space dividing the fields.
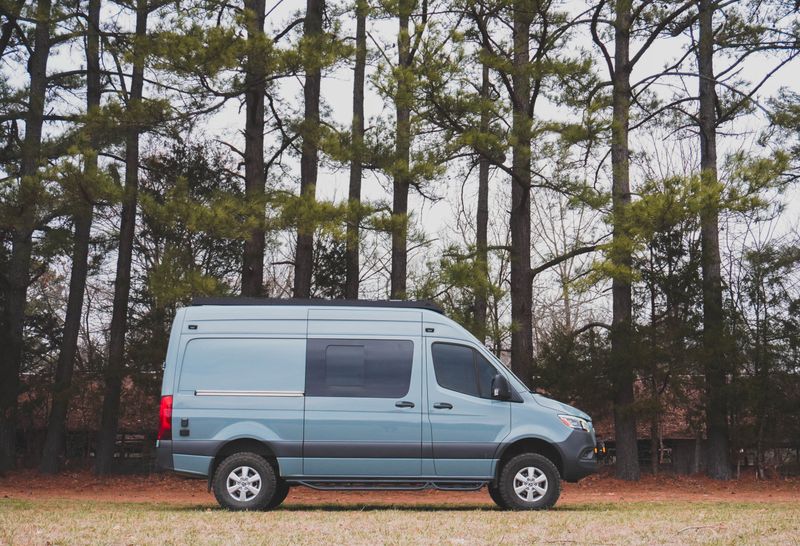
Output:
x=560 y=407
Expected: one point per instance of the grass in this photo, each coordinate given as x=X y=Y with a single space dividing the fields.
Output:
x=90 y=522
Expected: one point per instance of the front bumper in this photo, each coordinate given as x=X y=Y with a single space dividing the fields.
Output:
x=578 y=456
x=164 y=455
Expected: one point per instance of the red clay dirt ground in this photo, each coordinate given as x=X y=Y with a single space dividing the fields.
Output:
x=83 y=485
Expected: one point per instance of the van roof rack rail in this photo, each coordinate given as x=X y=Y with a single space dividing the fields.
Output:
x=393 y=304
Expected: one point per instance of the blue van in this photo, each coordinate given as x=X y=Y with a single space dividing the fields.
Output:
x=260 y=395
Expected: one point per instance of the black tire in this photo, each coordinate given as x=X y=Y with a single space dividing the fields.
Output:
x=265 y=482
x=494 y=493
x=281 y=490
x=543 y=467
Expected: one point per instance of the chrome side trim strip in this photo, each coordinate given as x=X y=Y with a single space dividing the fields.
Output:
x=249 y=393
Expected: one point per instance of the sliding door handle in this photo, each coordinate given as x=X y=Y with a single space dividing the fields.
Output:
x=404 y=404
x=443 y=405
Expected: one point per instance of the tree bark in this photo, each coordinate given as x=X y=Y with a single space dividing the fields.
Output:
x=115 y=369
x=482 y=218
x=254 y=174
x=309 y=157
x=654 y=445
x=655 y=416
x=402 y=181
x=10 y=25
x=82 y=218
x=718 y=455
x=627 y=465
x=18 y=274
x=352 y=243
x=520 y=221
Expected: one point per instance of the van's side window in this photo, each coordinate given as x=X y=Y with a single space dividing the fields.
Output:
x=462 y=369
x=486 y=373
x=241 y=364
x=362 y=368
x=454 y=366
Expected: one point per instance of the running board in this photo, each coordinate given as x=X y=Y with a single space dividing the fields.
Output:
x=388 y=486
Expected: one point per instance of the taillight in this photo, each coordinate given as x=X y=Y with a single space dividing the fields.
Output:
x=165 y=418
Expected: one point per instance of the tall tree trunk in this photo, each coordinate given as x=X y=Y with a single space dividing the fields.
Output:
x=402 y=181
x=627 y=467
x=304 y=256
x=352 y=249
x=10 y=25
x=718 y=463
x=18 y=273
x=655 y=450
x=482 y=218
x=254 y=175
x=115 y=369
x=62 y=387
x=521 y=274
x=655 y=417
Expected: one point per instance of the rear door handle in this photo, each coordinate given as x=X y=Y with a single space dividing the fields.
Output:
x=404 y=404
x=443 y=405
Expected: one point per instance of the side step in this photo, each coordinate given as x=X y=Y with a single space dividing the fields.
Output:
x=388 y=486
x=445 y=486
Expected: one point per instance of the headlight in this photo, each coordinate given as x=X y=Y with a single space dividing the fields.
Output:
x=575 y=422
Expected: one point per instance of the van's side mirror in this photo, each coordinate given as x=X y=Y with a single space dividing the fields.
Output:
x=501 y=389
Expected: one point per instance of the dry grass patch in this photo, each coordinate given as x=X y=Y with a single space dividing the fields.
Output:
x=88 y=522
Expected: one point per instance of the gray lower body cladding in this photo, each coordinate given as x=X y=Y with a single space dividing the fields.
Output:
x=164 y=455
x=577 y=451
x=346 y=450
x=577 y=456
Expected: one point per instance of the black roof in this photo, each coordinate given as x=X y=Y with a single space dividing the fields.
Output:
x=393 y=304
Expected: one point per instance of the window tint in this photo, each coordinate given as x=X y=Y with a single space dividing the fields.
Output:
x=462 y=369
x=454 y=366
x=362 y=368
x=344 y=366
x=486 y=373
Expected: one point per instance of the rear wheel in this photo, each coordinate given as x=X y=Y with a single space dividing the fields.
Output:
x=529 y=482
x=245 y=481
x=281 y=491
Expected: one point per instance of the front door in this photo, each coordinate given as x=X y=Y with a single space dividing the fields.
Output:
x=363 y=412
x=467 y=425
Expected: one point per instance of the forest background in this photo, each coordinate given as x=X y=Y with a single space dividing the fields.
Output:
x=601 y=191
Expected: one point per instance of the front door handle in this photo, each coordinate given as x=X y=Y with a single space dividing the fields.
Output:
x=404 y=404
x=443 y=405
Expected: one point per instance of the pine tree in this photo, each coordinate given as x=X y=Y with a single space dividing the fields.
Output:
x=352 y=258
x=115 y=368
x=398 y=150
x=628 y=24
x=17 y=276
x=759 y=26
x=309 y=158
x=401 y=183
x=83 y=204
x=718 y=459
x=528 y=68
x=254 y=173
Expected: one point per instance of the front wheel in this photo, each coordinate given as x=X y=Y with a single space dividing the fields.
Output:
x=529 y=482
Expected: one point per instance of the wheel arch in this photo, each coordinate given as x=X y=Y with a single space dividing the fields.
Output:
x=531 y=444
x=241 y=445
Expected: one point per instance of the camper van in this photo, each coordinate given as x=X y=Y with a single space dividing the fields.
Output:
x=261 y=395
